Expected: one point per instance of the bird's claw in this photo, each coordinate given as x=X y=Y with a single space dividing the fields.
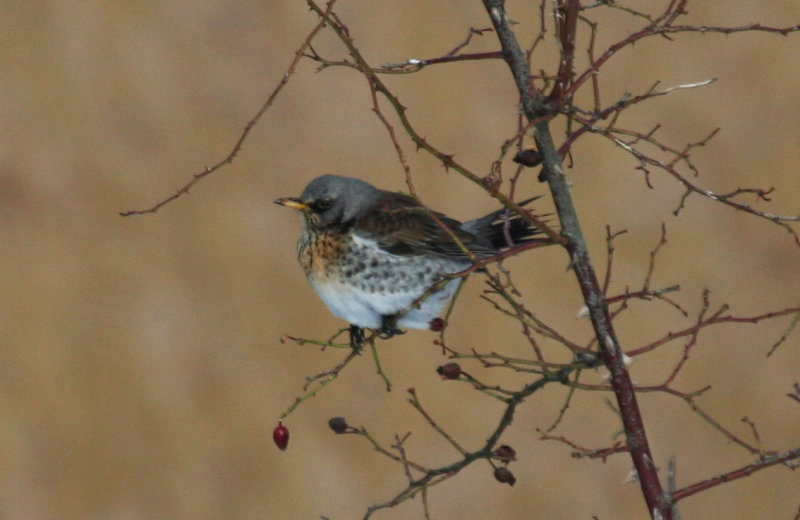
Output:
x=388 y=329
x=356 y=338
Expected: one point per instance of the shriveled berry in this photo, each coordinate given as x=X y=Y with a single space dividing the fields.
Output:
x=338 y=424
x=505 y=453
x=449 y=371
x=529 y=157
x=281 y=436
x=437 y=324
x=505 y=476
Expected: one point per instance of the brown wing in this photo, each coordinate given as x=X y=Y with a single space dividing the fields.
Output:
x=404 y=227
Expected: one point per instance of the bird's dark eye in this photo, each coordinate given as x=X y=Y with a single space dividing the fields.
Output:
x=322 y=204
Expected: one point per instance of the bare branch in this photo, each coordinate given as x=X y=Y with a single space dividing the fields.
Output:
x=184 y=190
x=744 y=471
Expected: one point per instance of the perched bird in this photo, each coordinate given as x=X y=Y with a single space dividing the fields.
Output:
x=376 y=258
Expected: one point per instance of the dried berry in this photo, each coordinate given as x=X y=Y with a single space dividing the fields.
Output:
x=338 y=424
x=449 y=371
x=505 y=476
x=281 y=436
x=437 y=324
x=530 y=157
x=505 y=453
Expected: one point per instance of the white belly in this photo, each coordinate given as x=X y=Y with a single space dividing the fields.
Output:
x=366 y=309
x=362 y=292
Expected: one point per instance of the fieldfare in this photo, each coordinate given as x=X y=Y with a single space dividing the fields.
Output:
x=380 y=259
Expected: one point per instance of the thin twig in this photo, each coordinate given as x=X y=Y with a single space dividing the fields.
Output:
x=184 y=190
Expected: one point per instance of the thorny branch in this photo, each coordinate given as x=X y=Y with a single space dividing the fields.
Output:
x=489 y=451
x=745 y=471
x=535 y=107
x=237 y=147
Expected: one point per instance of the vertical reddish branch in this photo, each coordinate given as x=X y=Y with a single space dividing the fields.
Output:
x=537 y=109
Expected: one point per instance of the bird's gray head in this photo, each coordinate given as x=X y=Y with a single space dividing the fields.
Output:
x=337 y=200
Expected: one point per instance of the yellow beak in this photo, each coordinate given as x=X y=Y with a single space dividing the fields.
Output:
x=294 y=203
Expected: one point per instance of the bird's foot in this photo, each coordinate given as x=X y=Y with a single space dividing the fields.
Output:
x=356 y=338
x=390 y=333
x=388 y=329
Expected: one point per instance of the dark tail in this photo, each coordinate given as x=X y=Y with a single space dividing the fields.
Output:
x=507 y=230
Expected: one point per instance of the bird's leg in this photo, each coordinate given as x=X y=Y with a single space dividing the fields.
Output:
x=388 y=328
x=356 y=337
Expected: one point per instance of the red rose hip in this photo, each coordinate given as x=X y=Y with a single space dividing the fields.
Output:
x=281 y=436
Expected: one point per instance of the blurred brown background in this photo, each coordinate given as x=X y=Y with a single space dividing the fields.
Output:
x=141 y=368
